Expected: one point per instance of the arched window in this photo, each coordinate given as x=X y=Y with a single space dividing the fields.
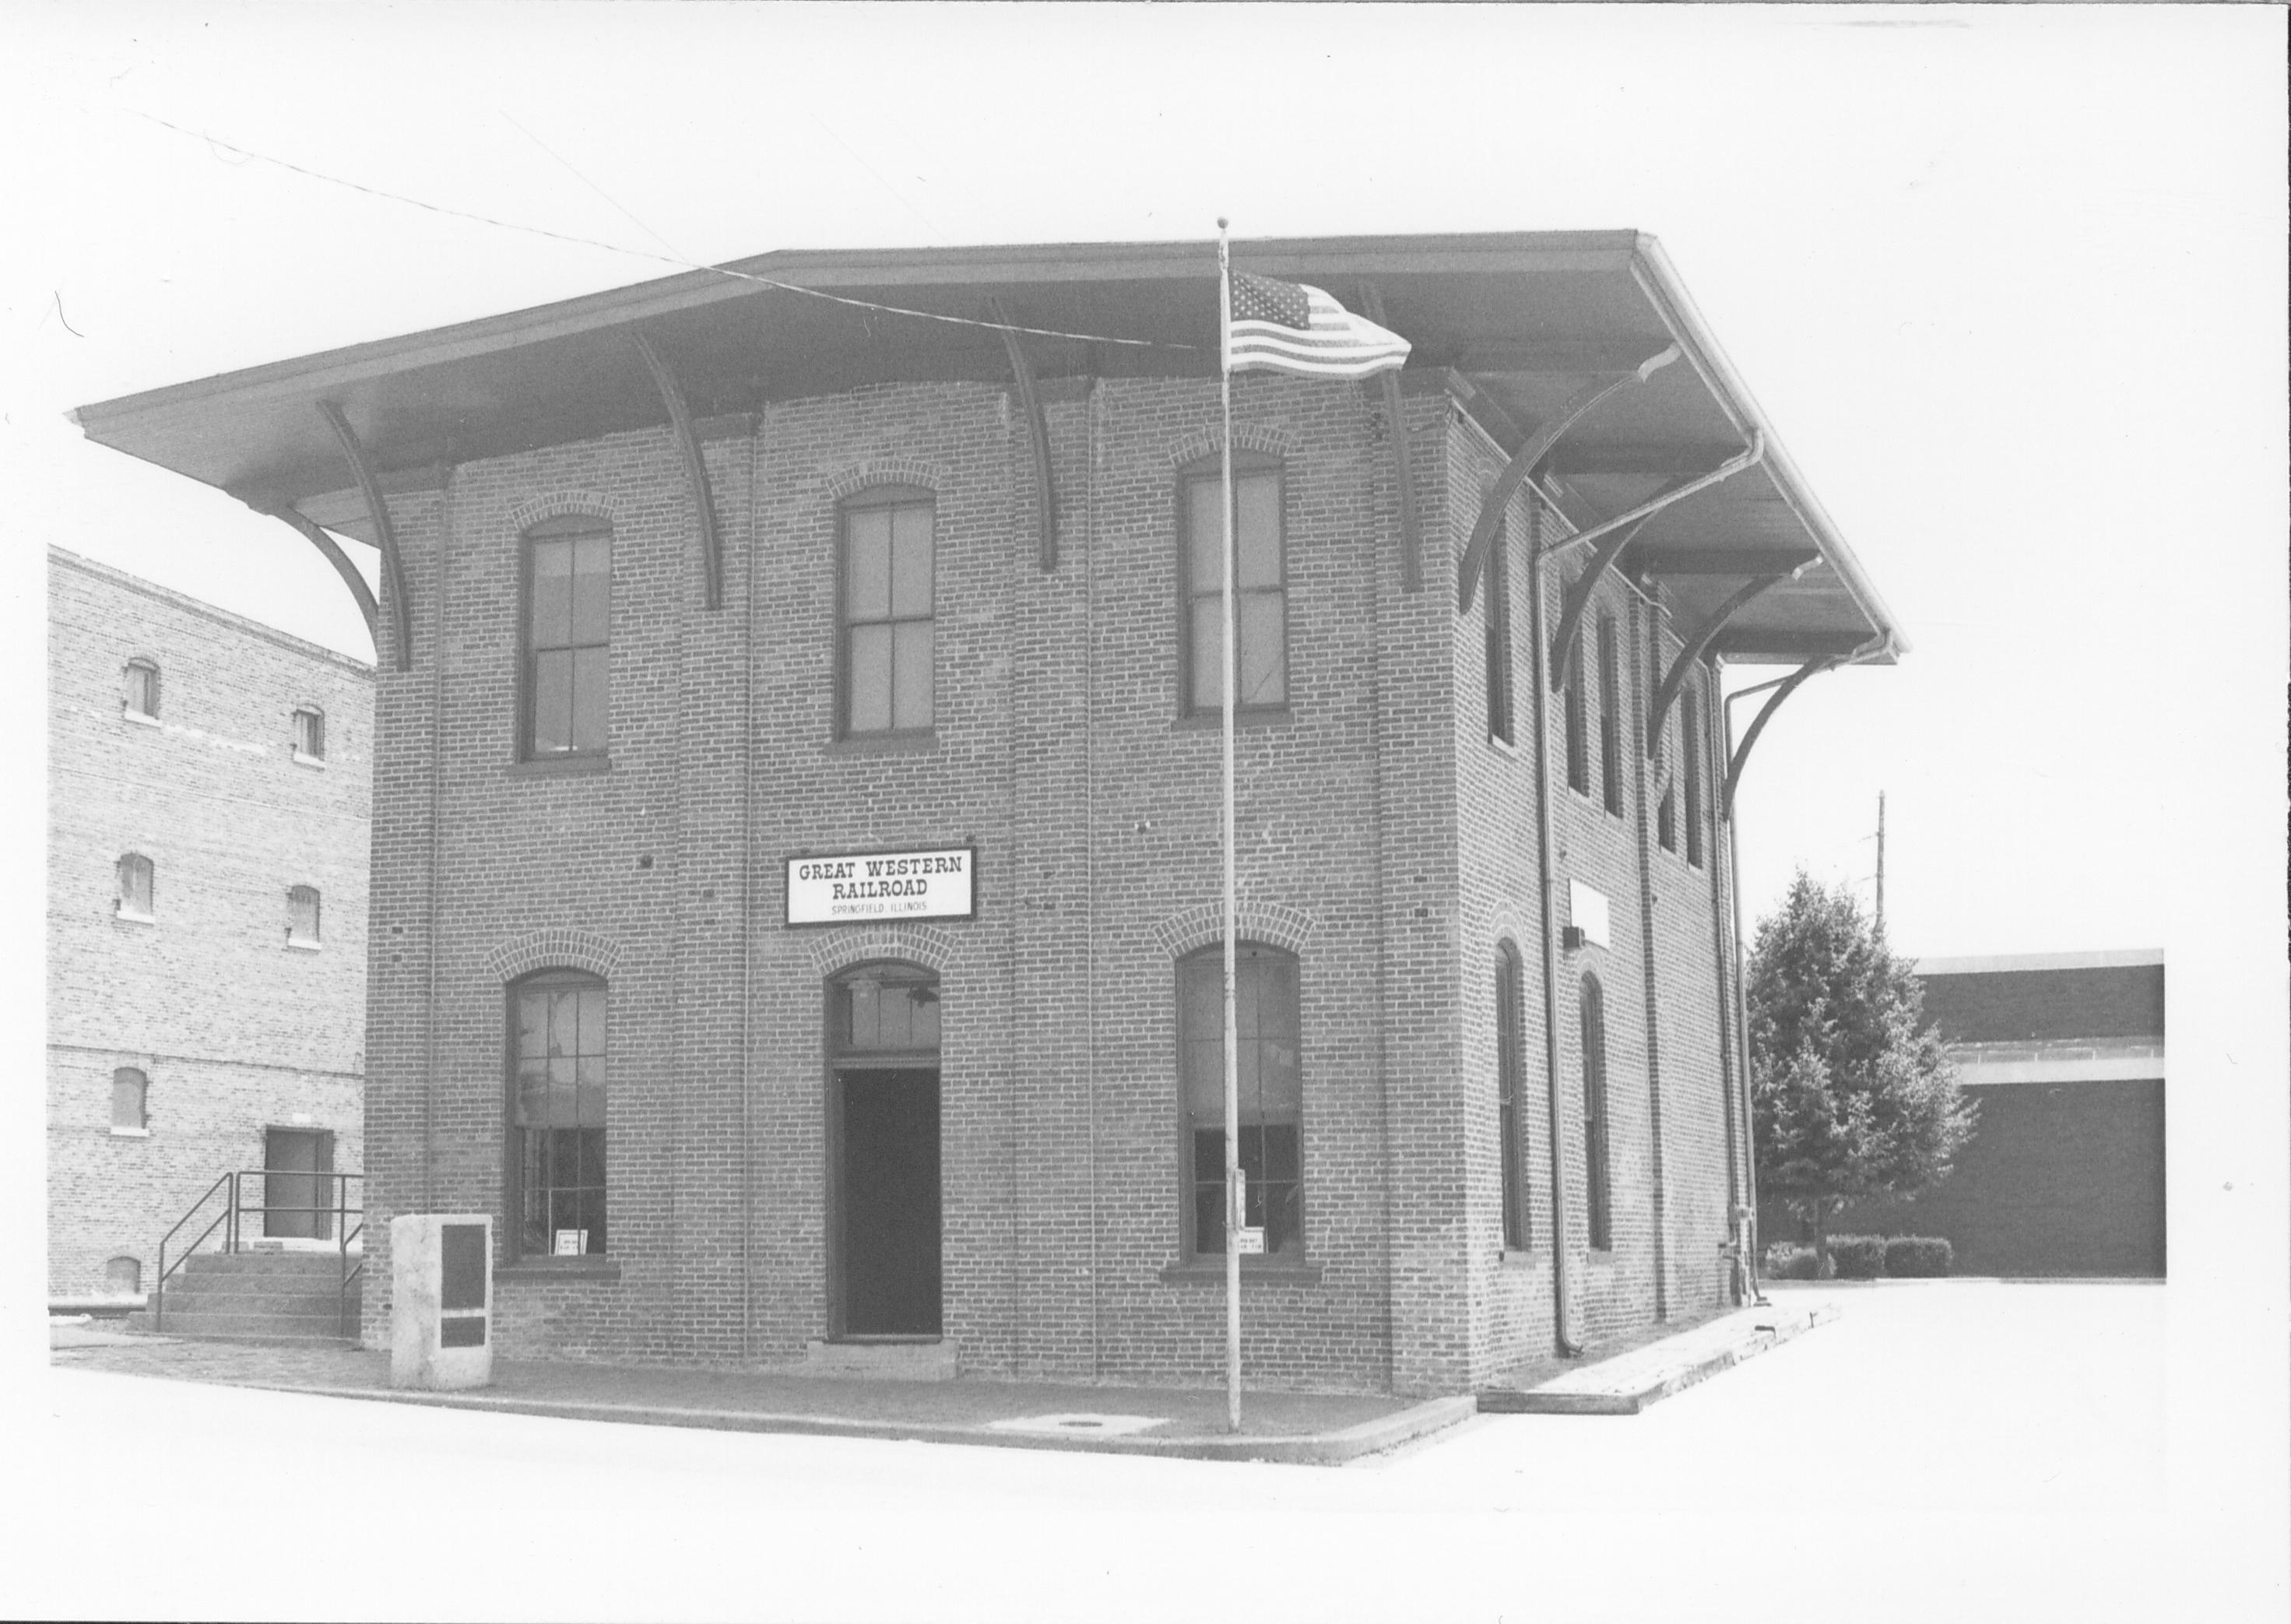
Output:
x=303 y=916
x=1260 y=598
x=1598 y=1203
x=134 y=873
x=140 y=689
x=1579 y=746
x=1271 y=1097
x=556 y=1114
x=889 y=612
x=886 y=1008
x=122 y=1277
x=310 y=734
x=1511 y=1066
x=568 y=632
x=1611 y=718
x=1690 y=728
x=1497 y=614
x=130 y=1094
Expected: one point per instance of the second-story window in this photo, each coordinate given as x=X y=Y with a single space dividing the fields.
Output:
x=568 y=637
x=1690 y=733
x=310 y=734
x=888 y=607
x=1260 y=605
x=1611 y=718
x=139 y=694
x=303 y=916
x=1499 y=638
x=134 y=870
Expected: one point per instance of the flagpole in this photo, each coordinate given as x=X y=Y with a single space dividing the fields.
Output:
x=1235 y=1204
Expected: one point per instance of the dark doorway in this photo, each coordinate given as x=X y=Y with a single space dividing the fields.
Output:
x=297 y=1195
x=887 y=1201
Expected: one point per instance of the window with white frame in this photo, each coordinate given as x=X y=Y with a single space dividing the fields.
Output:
x=139 y=689
x=303 y=916
x=310 y=734
x=134 y=877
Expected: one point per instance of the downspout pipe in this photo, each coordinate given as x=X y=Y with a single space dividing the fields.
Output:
x=1549 y=925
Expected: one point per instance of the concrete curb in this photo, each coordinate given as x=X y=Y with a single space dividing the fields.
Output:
x=1309 y=1449
x=1542 y=1401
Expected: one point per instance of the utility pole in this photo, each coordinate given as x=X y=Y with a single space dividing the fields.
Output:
x=1881 y=859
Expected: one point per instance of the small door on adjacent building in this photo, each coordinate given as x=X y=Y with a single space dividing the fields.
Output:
x=298 y=1200
x=883 y=1088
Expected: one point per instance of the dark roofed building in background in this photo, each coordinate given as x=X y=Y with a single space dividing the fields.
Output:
x=2064 y=1054
x=796 y=868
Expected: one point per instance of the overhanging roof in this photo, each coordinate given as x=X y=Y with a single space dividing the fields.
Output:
x=1525 y=320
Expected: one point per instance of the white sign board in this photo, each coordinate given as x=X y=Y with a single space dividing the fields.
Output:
x=1248 y=1242
x=572 y=1243
x=868 y=886
x=1587 y=911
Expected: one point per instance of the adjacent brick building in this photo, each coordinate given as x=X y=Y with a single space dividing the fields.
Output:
x=207 y=823
x=695 y=585
x=2063 y=1053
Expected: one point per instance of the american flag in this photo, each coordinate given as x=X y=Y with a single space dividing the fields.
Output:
x=1286 y=327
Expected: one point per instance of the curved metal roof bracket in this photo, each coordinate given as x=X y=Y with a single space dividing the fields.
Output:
x=1403 y=476
x=1532 y=451
x=696 y=471
x=393 y=566
x=1696 y=647
x=332 y=550
x=1577 y=600
x=1783 y=690
x=1038 y=435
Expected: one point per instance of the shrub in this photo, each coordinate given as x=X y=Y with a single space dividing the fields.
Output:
x=1785 y=1261
x=1858 y=1257
x=1918 y=1256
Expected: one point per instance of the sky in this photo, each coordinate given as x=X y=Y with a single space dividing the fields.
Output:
x=2009 y=282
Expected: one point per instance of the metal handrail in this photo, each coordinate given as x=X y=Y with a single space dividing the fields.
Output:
x=339 y=1210
x=159 y=1286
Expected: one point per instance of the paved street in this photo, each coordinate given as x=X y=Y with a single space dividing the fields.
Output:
x=2007 y=1460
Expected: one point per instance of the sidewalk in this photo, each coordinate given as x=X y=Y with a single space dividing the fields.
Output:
x=1297 y=1428
x=1648 y=1370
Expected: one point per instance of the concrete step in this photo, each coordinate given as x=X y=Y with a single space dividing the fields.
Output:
x=260 y=1285
x=933 y=1360
x=267 y=1263
x=245 y=1326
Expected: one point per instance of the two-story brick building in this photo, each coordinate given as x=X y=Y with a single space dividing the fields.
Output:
x=698 y=590
x=207 y=826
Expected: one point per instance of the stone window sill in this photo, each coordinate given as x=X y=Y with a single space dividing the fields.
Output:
x=302 y=761
x=1514 y=1258
x=913 y=743
x=133 y=918
x=1243 y=718
x=297 y=944
x=605 y=1271
x=549 y=766
x=138 y=718
x=1211 y=1270
x=131 y=1133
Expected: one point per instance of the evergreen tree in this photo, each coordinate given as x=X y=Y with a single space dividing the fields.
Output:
x=1852 y=1094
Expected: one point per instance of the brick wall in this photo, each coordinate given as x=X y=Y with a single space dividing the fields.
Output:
x=1060 y=752
x=235 y=1030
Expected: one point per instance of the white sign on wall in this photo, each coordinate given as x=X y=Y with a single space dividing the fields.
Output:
x=869 y=886
x=1587 y=911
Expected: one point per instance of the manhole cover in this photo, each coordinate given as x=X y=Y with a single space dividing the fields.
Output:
x=1079 y=1423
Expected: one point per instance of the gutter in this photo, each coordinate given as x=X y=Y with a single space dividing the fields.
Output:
x=1652 y=269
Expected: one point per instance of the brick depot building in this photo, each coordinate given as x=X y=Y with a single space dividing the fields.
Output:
x=207 y=823
x=2064 y=1054
x=697 y=590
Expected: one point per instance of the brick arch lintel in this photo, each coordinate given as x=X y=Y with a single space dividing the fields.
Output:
x=1268 y=923
x=555 y=504
x=1510 y=925
x=567 y=949
x=840 y=948
x=1269 y=438
x=885 y=470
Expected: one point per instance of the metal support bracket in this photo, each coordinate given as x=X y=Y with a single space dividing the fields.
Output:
x=1696 y=647
x=333 y=552
x=1403 y=476
x=393 y=566
x=1578 y=601
x=1038 y=435
x=1532 y=451
x=1788 y=685
x=696 y=471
